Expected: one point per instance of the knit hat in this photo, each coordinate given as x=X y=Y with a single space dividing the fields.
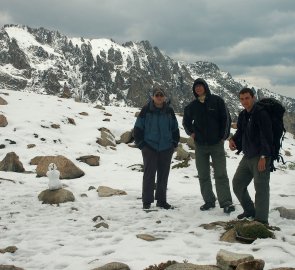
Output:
x=158 y=89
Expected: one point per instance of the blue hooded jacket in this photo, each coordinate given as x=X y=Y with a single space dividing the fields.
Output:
x=156 y=128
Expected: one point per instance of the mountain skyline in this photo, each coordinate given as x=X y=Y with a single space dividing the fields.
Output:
x=251 y=40
x=101 y=70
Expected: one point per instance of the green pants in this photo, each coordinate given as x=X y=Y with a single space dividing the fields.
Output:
x=246 y=171
x=217 y=154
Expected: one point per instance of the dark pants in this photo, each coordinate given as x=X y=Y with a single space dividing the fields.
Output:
x=246 y=171
x=217 y=154
x=155 y=162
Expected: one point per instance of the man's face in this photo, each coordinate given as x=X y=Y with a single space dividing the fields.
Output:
x=200 y=89
x=247 y=101
x=159 y=98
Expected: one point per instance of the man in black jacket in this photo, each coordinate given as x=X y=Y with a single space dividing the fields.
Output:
x=254 y=138
x=207 y=121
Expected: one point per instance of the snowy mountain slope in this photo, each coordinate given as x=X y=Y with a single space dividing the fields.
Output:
x=64 y=237
x=42 y=61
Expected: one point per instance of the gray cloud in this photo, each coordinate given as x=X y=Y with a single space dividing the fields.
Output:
x=254 y=39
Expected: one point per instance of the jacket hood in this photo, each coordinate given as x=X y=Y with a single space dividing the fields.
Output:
x=203 y=82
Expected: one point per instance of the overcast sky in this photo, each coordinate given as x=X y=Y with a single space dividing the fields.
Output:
x=253 y=40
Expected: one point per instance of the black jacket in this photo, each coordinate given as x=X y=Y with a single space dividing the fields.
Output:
x=254 y=133
x=210 y=121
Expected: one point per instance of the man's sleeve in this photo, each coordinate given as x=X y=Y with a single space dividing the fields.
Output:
x=225 y=120
x=187 y=121
x=139 y=127
x=175 y=130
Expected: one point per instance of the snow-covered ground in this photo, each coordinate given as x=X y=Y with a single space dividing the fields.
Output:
x=64 y=236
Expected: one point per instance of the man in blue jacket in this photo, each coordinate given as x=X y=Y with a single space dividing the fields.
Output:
x=156 y=133
x=207 y=121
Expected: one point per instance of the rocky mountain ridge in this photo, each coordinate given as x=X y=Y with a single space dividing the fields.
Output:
x=101 y=70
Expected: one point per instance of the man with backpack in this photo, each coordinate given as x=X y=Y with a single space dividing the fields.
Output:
x=207 y=121
x=254 y=136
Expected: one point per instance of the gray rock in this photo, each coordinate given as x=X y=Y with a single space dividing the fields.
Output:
x=229 y=236
x=286 y=213
x=147 y=237
x=3 y=121
x=31 y=145
x=56 y=196
x=113 y=266
x=102 y=224
x=3 y=101
x=227 y=260
x=67 y=169
x=181 y=154
x=11 y=163
x=107 y=138
x=251 y=265
x=9 y=267
x=104 y=191
x=10 y=249
x=126 y=137
x=91 y=160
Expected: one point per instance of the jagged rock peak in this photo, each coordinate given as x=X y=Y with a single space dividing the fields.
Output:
x=42 y=61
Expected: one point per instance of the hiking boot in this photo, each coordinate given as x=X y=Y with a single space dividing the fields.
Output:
x=229 y=208
x=164 y=205
x=146 y=206
x=207 y=206
x=246 y=215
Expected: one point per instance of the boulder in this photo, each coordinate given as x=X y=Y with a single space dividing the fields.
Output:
x=68 y=170
x=286 y=213
x=56 y=196
x=227 y=260
x=11 y=163
x=3 y=101
x=229 y=236
x=113 y=266
x=3 y=121
x=31 y=145
x=71 y=121
x=90 y=160
x=251 y=265
x=10 y=249
x=104 y=191
x=9 y=267
x=36 y=160
x=126 y=137
x=181 y=154
x=147 y=237
x=107 y=138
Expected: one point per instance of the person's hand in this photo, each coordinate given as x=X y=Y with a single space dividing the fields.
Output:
x=232 y=145
x=193 y=135
x=261 y=164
